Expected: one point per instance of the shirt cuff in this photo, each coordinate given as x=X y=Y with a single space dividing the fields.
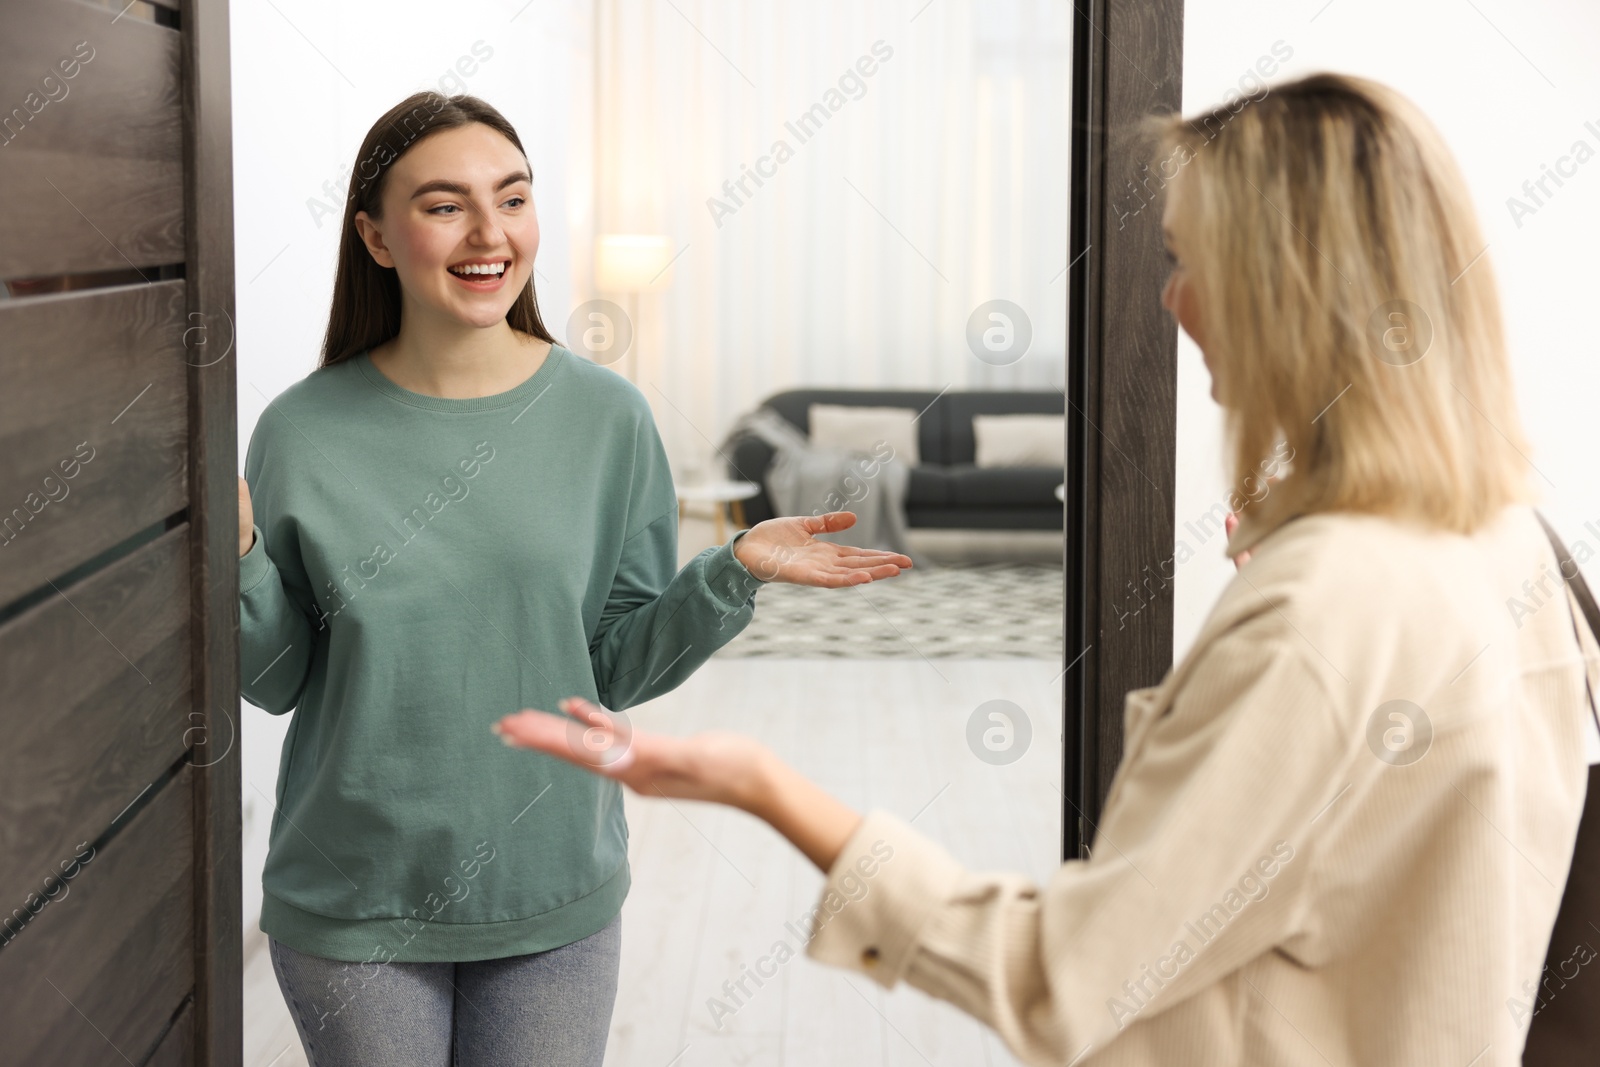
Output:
x=880 y=894
x=254 y=564
x=729 y=579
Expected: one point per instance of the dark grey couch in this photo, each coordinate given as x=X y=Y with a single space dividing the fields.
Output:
x=947 y=491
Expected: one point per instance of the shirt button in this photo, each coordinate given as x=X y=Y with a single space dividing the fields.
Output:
x=869 y=956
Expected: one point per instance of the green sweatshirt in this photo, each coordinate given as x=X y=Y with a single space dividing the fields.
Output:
x=423 y=566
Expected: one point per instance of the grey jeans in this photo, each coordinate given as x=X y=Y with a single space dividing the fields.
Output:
x=548 y=1008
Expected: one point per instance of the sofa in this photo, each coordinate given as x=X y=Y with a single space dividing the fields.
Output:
x=947 y=490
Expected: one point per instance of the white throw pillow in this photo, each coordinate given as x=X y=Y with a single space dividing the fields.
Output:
x=1020 y=440
x=859 y=429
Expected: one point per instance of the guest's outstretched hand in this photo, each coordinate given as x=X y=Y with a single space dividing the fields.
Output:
x=715 y=766
x=786 y=550
x=725 y=768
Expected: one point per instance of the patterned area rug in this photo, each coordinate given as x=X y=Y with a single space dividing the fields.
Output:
x=967 y=611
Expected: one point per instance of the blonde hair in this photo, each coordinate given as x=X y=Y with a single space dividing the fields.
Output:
x=1346 y=303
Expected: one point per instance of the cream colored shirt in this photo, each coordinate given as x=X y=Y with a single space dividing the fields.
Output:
x=1338 y=835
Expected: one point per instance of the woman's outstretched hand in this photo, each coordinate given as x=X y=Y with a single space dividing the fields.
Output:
x=786 y=550
x=725 y=768
x=720 y=767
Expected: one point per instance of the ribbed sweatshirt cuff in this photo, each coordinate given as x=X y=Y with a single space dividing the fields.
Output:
x=254 y=564
x=729 y=579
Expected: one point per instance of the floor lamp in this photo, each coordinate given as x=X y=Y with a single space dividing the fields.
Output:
x=632 y=263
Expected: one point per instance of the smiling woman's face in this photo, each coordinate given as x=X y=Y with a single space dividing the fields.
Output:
x=457 y=207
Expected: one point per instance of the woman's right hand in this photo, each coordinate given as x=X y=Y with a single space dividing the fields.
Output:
x=724 y=768
x=716 y=766
x=247 y=535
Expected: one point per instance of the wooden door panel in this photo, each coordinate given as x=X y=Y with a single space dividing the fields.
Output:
x=98 y=975
x=177 y=1048
x=96 y=687
x=94 y=425
x=96 y=155
x=118 y=571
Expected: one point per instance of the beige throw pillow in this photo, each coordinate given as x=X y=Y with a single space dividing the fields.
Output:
x=1020 y=440
x=859 y=429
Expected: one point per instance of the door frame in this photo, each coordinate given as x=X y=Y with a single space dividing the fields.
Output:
x=1127 y=61
x=213 y=524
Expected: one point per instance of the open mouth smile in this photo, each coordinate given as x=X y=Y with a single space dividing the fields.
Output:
x=484 y=275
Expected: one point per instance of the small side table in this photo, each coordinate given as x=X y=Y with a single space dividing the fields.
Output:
x=718 y=494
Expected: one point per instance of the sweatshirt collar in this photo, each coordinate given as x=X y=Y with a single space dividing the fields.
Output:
x=520 y=395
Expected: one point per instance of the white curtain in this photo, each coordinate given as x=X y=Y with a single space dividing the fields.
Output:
x=890 y=204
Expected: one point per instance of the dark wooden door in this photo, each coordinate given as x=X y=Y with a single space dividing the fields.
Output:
x=1122 y=380
x=119 y=769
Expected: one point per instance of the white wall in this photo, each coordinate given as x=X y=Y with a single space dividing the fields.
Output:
x=1511 y=84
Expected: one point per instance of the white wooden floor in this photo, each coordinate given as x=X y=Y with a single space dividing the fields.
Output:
x=713 y=888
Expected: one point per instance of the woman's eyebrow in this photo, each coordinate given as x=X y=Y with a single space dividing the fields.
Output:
x=443 y=185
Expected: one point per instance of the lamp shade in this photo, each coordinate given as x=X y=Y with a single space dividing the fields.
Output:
x=632 y=262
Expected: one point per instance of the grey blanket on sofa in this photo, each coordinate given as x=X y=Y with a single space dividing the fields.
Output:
x=807 y=480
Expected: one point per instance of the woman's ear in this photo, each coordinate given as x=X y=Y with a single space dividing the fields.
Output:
x=373 y=239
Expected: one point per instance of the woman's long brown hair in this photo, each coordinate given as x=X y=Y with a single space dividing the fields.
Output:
x=366 y=296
